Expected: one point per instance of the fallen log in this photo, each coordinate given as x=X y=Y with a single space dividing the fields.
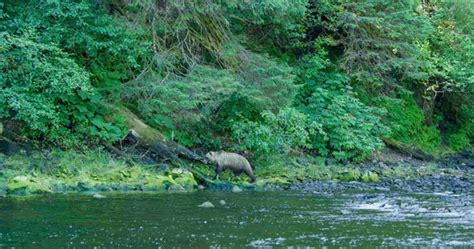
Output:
x=407 y=150
x=149 y=141
x=166 y=151
x=142 y=135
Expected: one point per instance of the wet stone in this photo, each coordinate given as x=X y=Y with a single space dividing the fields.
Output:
x=236 y=189
x=98 y=196
x=206 y=204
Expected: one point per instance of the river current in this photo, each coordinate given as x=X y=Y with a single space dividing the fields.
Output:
x=246 y=219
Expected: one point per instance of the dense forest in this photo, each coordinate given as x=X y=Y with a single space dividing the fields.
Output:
x=335 y=79
x=236 y=123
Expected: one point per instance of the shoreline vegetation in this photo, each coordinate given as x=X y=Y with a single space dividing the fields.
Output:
x=100 y=171
x=116 y=95
x=148 y=162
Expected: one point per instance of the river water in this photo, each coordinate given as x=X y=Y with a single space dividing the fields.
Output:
x=248 y=219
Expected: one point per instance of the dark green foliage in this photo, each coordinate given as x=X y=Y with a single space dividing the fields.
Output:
x=467 y=121
x=379 y=39
x=273 y=77
x=266 y=78
x=458 y=141
x=103 y=45
x=238 y=107
x=274 y=24
x=425 y=48
x=451 y=86
x=406 y=121
x=207 y=100
x=179 y=104
x=182 y=33
x=56 y=58
x=34 y=78
x=289 y=129
x=351 y=128
x=49 y=93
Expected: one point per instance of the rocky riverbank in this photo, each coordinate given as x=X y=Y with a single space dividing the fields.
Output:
x=99 y=171
x=400 y=173
x=434 y=184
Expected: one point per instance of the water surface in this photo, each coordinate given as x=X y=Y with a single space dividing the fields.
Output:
x=248 y=219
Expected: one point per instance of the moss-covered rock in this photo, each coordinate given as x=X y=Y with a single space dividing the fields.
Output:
x=186 y=180
x=348 y=175
x=177 y=172
x=159 y=182
x=370 y=176
x=24 y=185
x=148 y=134
x=86 y=185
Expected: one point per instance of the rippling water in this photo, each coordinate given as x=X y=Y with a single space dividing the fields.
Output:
x=250 y=219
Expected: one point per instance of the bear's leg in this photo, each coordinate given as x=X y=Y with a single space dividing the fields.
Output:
x=250 y=174
x=218 y=172
x=237 y=172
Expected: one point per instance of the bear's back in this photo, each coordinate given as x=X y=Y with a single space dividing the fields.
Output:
x=232 y=159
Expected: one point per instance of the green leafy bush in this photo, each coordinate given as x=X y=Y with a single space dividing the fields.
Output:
x=181 y=105
x=351 y=129
x=406 y=120
x=273 y=75
x=276 y=133
x=109 y=50
x=48 y=93
x=458 y=141
x=466 y=120
x=194 y=107
x=57 y=61
x=239 y=107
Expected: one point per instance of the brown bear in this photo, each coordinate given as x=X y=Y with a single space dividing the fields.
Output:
x=233 y=161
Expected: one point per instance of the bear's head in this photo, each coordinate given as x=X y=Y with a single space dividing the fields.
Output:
x=211 y=156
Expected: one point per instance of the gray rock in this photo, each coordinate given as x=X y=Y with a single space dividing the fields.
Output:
x=206 y=204
x=382 y=189
x=236 y=189
x=222 y=202
x=345 y=212
x=176 y=188
x=98 y=196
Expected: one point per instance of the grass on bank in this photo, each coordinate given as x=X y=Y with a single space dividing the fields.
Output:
x=94 y=170
x=98 y=170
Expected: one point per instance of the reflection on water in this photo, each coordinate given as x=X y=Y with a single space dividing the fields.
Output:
x=251 y=219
